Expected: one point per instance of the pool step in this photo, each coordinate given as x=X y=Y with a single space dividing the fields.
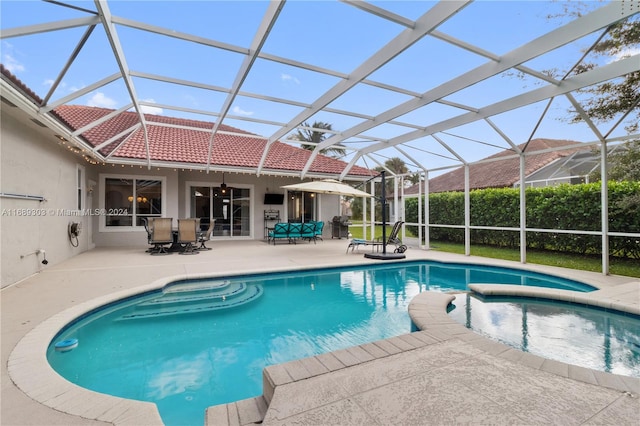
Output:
x=195 y=294
x=196 y=301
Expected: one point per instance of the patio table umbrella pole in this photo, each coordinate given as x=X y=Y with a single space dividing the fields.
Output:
x=384 y=255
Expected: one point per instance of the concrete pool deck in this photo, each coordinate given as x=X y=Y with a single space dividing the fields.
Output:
x=442 y=374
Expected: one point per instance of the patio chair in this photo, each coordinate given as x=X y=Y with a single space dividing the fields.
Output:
x=280 y=231
x=188 y=235
x=205 y=236
x=295 y=231
x=376 y=244
x=308 y=231
x=318 y=229
x=148 y=225
x=161 y=235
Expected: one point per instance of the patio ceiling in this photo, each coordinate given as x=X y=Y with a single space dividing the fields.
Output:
x=430 y=82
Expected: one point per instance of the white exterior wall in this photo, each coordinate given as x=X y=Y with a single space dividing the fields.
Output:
x=33 y=164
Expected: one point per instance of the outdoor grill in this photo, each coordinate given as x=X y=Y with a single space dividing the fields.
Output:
x=340 y=227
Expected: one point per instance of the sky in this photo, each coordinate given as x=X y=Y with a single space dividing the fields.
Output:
x=327 y=34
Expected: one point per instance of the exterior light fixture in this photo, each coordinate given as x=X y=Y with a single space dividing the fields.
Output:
x=223 y=186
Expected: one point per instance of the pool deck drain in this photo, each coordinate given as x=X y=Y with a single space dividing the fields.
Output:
x=442 y=374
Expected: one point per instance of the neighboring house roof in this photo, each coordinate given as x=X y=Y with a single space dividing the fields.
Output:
x=185 y=142
x=502 y=173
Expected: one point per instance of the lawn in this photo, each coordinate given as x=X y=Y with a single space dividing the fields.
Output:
x=617 y=266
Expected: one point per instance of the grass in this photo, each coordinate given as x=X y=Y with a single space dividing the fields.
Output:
x=617 y=266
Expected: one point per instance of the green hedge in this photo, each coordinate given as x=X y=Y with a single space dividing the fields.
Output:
x=571 y=207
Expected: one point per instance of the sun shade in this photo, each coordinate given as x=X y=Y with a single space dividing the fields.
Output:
x=328 y=186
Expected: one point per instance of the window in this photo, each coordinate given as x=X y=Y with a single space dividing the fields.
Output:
x=79 y=187
x=128 y=200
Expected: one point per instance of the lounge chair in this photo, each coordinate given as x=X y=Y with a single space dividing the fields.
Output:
x=188 y=235
x=376 y=244
x=161 y=235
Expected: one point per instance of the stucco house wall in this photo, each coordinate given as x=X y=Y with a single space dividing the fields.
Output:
x=33 y=165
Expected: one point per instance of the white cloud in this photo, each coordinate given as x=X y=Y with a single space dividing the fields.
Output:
x=240 y=111
x=624 y=54
x=99 y=99
x=146 y=109
x=289 y=77
x=9 y=60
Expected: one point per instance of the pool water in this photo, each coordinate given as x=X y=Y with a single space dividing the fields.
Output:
x=200 y=343
x=574 y=334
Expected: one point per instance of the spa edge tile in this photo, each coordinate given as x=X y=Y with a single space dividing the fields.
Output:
x=375 y=351
x=330 y=361
x=360 y=354
x=314 y=366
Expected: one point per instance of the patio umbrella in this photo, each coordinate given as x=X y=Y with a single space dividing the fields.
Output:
x=328 y=186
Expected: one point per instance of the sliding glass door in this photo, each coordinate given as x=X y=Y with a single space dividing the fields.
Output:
x=301 y=206
x=230 y=208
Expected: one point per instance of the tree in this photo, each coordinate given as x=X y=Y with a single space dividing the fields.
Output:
x=315 y=137
x=624 y=163
x=397 y=166
x=610 y=99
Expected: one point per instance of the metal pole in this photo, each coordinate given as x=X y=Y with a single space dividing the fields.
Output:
x=384 y=214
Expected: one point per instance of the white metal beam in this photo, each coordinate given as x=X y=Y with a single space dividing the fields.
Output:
x=269 y=19
x=585 y=79
x=49 y=26
x=426 y=23
x=114 y=41
x=574 y=30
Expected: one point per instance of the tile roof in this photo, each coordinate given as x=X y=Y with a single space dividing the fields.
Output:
x=20 y=86
x=500 y=173
x=189 y=143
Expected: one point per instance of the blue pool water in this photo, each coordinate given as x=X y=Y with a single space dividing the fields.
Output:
x=200 y=343
x=570 y=333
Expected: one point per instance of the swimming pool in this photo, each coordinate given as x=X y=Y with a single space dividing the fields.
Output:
x=574 y=334
x=200 y=343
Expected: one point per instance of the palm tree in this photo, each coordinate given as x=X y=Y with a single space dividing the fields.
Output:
x=315 y=137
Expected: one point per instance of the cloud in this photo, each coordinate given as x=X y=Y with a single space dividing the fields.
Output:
x=9 y=61
x=146 y=109
x=99 y=99
x=240 y=111
x=626 y=53
x=288 y=77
